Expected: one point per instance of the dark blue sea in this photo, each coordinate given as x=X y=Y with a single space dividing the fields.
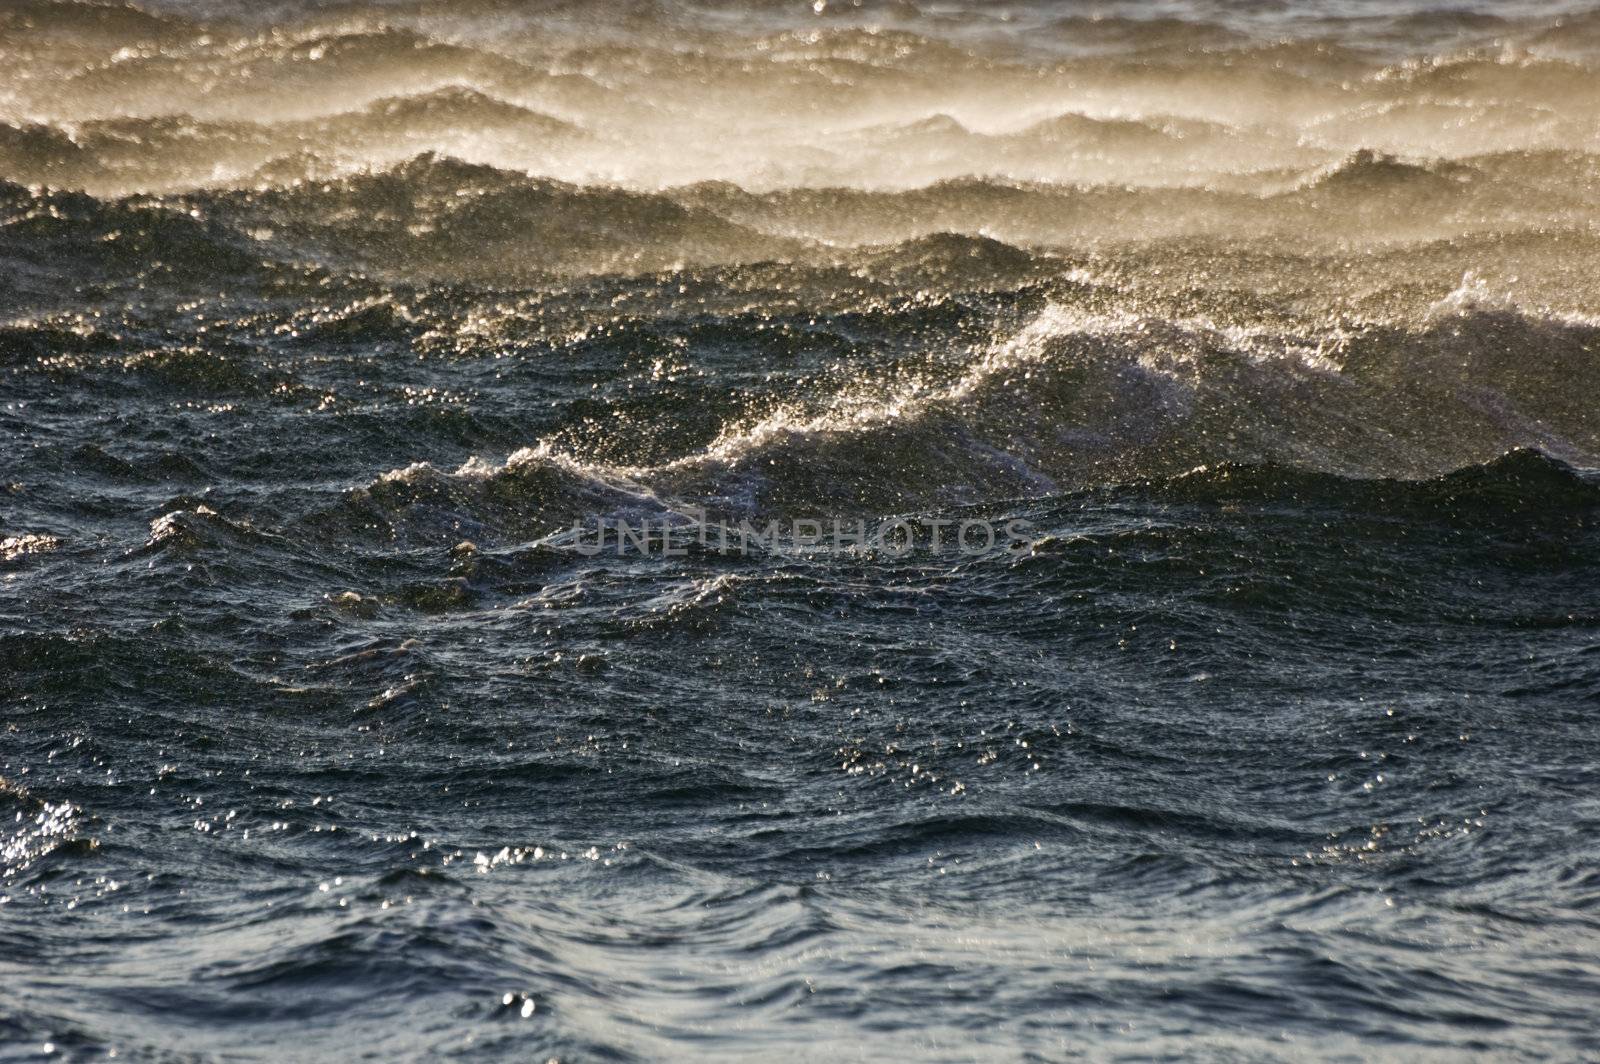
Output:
x=1208 y=667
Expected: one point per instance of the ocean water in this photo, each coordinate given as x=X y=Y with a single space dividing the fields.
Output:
x=333 y=337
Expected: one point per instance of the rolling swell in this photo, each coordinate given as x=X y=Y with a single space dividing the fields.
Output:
x=420 y=214
x=1520 y=486
x=1070 y=403
x=1072 y=400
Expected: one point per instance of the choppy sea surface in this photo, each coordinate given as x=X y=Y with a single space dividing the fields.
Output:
x=324 y=325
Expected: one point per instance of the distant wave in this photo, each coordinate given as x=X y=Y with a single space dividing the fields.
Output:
x=1368 y=173
x=170 y=152
x=441 y=217
x=118 y=99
